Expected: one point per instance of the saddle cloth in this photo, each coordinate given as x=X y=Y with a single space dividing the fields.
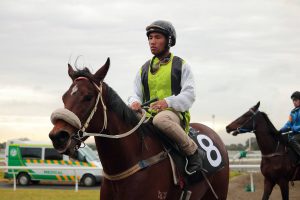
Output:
x=213 y=160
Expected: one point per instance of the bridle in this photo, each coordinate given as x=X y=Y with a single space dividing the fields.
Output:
x=245 y=130
x=71 y=118
x=80 y=134
x=241 y=128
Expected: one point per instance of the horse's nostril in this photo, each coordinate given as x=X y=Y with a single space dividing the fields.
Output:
x=51 y=135
x=227 y=129
x=60 y=139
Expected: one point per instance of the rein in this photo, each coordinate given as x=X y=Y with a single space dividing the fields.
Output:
x=275 y=153
x=135 y=168
x=81 y=132
x=73 y=119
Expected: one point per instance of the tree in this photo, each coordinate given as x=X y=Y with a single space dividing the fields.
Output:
x=254 y=145
x=235 y=147
x=241 y=147
x=2 y=145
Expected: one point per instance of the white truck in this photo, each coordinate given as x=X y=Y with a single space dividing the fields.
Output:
x=29 y=153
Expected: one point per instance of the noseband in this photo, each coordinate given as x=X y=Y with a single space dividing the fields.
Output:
x=71 y=118
x=80 y=134
x=245 y=130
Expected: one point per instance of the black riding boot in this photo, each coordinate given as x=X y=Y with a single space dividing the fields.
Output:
x=195 y=161
x=296 y=146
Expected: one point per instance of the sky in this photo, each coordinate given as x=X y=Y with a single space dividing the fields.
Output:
x=240 y=51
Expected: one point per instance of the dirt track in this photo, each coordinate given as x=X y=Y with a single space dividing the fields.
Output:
x=237 y=189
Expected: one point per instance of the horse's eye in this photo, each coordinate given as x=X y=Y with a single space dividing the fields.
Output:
x=88 y=97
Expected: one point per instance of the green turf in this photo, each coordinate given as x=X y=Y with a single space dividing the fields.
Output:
x=47 y=194
x=1 y=174
x=233 y=174
x=38 y=194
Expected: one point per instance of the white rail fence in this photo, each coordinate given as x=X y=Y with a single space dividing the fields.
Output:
x=248 y=168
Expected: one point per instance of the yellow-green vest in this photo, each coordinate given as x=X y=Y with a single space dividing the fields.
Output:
x=164 y=82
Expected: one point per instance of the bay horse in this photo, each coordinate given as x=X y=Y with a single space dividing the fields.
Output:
x=134 y=162
x=276 y=165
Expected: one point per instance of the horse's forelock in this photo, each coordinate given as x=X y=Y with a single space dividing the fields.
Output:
x=81 y=78
x=84 y=73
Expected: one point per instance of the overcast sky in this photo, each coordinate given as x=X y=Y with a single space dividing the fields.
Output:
x=241 y=52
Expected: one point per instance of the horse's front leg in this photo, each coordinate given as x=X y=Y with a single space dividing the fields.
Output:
x=268 y=187
x=284 y=188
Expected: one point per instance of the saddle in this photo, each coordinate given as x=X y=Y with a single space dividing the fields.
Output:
x=213 y=160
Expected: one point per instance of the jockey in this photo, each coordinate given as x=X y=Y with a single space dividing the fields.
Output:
x=293 y=124
x=170 y=79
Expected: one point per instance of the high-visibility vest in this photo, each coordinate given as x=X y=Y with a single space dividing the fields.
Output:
x=164 y=82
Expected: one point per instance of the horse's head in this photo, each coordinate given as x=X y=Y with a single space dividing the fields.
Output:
x=245 y=123
x=80 y=105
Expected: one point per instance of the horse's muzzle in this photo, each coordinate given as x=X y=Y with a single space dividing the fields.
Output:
x=231 y=131
x=61 y=140
x=228 y=130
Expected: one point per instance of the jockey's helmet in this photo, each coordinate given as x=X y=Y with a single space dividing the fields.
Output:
x=164 y=27
x=296 y=95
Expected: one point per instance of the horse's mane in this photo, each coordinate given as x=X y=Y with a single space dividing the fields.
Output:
x=274 y=131
x=114 y=101
x=117 y=105
x=270 y=124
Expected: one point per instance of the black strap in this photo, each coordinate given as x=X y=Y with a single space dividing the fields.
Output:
x=176 y=75
x=144 y=77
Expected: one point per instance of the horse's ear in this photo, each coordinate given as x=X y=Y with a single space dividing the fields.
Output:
x=257 y=105
x=101 y=73
x=71 y=71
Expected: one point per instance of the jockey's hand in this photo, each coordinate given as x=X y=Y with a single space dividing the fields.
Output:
x=159 y=105
x=136 y=106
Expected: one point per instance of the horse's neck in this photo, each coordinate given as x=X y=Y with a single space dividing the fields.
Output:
x=120 y=154
x=265 y=141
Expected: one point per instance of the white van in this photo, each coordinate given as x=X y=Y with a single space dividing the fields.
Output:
x=29 y=153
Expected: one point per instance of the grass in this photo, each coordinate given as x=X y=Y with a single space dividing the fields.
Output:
x=2 y=179
x=233 y=174
x=2 y=176
x=46 y=194
x=38 y=194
